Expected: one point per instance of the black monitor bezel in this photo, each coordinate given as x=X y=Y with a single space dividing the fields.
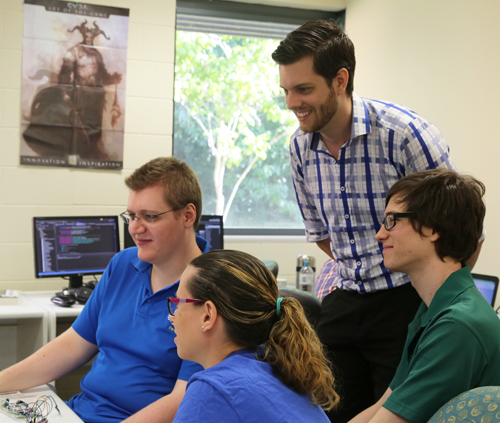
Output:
x=75 y=278
x=220 y=218
x=491 y=279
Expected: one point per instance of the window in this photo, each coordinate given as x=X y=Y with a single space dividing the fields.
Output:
x=231 y=123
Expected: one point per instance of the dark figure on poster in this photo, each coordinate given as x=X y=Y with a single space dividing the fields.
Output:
x=66 y=119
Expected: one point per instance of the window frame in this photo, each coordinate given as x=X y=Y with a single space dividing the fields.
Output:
x=196 y=10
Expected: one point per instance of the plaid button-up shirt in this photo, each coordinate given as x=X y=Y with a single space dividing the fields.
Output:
x=344 y=199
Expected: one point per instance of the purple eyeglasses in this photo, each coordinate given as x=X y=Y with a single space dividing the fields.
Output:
x=176 y=300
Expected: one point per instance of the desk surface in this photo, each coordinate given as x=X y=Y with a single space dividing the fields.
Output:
x=31 y=395
x=43 y=298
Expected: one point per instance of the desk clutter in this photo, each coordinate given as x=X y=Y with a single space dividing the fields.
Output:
x=33 y=411
x=35 y=405
x=69 y=296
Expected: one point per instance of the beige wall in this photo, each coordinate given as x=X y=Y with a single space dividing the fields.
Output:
x=438 y=57
x=442 y=59
x=27 y=191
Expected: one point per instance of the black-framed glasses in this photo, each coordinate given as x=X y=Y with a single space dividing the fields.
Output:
x=147 y=217
x=390 y=219
x=176 y=300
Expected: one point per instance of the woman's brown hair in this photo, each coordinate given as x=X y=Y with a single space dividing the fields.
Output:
x=245 y=294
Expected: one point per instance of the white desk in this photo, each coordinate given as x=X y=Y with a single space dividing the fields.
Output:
x=29 y=322
x=31 y=395
x=42 y=299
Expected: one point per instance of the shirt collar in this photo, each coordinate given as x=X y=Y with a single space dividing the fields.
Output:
x=455 y=284
x=360 y=118
x=144 y=268
x=360 y=123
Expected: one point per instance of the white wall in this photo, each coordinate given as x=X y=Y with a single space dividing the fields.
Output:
x=442 y=59
x=438 y=57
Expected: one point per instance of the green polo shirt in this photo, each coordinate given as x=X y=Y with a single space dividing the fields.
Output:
x=452 y=346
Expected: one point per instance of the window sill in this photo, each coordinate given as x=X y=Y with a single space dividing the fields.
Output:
x=241 y=239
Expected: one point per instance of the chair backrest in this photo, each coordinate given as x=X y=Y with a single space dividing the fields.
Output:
x=310 y=303
x=272 y=266
x=478 y=405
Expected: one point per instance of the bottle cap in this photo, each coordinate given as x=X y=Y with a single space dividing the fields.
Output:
x=306 y=263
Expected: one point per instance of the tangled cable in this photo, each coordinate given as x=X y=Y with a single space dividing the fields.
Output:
x=34 y=412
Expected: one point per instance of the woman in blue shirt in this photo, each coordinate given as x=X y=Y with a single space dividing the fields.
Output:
x=262 y=359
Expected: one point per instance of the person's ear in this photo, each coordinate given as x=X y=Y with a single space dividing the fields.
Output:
x=434 y=236
x=189 y=215
x=340 y=81
x=210 y=316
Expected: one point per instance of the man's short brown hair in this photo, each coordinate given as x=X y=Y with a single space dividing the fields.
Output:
x=180 y=184
x=328 y=45
x=447 y=202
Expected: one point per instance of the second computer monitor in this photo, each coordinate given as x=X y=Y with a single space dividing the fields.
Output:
x=211 y=228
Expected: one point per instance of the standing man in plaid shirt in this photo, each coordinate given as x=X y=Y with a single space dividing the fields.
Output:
x=345 y=156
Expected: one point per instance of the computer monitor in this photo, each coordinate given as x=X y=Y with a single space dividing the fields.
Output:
x=487 y=285
x=211 y=228
x=74 y=246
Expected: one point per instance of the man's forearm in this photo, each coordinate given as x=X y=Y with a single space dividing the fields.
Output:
x=59 y=357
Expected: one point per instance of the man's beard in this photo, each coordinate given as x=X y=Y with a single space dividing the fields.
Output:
x=325 y=113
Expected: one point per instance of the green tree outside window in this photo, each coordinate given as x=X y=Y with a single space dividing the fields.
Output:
x=232 y=126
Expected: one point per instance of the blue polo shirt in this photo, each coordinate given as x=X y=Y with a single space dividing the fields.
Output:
x=137 y=362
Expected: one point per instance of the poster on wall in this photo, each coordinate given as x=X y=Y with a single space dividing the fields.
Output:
x=73 y=84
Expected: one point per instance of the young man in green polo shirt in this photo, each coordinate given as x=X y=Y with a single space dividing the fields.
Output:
x=433 y=222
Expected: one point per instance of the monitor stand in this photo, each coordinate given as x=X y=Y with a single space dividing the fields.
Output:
x=75 y=281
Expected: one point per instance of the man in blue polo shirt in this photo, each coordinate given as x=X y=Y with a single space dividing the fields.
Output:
x=125 y=320
x=433 y=221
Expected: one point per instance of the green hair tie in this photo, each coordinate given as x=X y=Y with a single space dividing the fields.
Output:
x=278 y=305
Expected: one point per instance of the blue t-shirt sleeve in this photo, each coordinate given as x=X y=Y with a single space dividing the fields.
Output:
x=204 y=403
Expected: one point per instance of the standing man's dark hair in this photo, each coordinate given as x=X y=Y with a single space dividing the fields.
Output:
x=327 y=43
x=345 y=156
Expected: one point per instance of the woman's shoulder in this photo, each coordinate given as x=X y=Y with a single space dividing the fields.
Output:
x=237 y=367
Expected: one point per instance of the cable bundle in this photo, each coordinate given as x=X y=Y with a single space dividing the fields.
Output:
x=35 y=412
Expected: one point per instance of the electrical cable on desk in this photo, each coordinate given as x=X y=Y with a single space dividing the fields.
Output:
x=17 y=409
x=35 y=412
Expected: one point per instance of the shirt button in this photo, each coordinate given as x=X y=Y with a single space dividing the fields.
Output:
x=346 y=216
x=358 y=263
x=358 y=282
x=342 y=188
x=352 y=241
x=149 y=300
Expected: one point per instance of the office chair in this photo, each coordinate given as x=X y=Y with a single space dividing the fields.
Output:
x=478 y=404
x=272 y=266
x=310 y=303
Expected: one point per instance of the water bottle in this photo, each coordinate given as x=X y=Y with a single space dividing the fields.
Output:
x=306 y=278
